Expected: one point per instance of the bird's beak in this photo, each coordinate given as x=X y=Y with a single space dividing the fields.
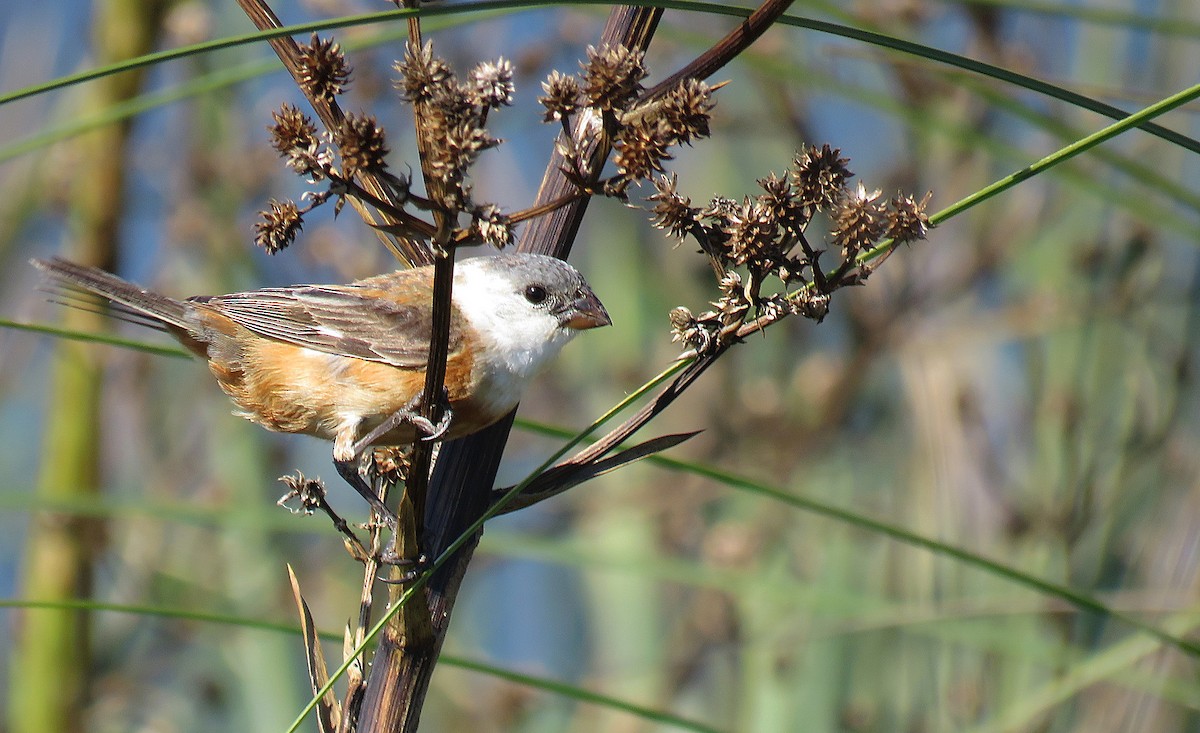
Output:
x=585 y=311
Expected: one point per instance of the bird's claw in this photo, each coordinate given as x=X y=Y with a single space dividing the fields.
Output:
x=408 y=414
x=416 y=566
x=438 y=431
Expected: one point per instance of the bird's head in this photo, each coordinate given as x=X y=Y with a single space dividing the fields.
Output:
x=525 y=307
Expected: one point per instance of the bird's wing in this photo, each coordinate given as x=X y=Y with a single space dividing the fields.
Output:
x=356 y=320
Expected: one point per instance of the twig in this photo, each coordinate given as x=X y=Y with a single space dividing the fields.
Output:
x=466 y=468
x=725 y=50
x=566 y=474
x=412 y=251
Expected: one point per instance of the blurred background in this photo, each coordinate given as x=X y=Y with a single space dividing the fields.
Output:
x=1020 y=386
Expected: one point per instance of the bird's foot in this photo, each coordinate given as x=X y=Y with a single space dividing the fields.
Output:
x=414 y=566
x=408 y=415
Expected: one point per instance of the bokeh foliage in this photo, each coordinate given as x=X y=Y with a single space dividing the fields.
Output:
x=1021 y=386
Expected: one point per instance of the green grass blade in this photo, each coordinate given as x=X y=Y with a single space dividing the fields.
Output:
x=1064 y=154
x=98 y=338
x=540 y=683
x=580 y=694
x=873 y=38
x=1177 y=26
x=1075 y=598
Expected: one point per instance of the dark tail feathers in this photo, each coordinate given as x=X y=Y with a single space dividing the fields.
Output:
x=71 y=281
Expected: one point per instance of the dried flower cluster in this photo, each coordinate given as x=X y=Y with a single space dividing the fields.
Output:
x=324 y=72
x=310 y=493
x=642 y=130
x=361 y=144
x=765 y=235
x=278 y=226
x=391 y=464
x=453 y=114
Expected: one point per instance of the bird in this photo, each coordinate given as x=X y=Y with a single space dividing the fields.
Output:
x=347 y=363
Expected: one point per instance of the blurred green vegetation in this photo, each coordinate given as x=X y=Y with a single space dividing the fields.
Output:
x=1020 y=387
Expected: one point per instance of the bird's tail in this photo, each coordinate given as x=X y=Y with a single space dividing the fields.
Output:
x=77 y=286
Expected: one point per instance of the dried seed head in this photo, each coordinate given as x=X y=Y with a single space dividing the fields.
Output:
x=641 y=149
x=292 y=129
x=492 y=225
x=732 y=304
x=720 y=211
x=311 y=161
x=324 y=72
x=753 y=236
x=672 y=211
x=362 y=144
x=295 y=137
x=423 y=76
x=687 y=329
x=612 y=77
x=681 y=318
x=810 y=304
x=562 y=98
x=686 y=108
x=858 y=221
x=310 y=492
x=779 y=198
x=456 y=148
x=278 y=227
x=391 y=464
x=820 y=176
x=906 y=218
x=492 y=83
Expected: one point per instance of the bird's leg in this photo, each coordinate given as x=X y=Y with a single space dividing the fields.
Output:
x=349 y=469
x=347 y=458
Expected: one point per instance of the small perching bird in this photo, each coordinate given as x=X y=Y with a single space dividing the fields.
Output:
x=347 y=363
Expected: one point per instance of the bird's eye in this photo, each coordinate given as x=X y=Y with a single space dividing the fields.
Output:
x=535 y=294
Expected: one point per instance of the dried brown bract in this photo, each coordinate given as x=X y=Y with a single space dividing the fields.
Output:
x=858 y=221
x=562 y=97
x=362 y=144
x=492 y=83
x=423 y=76
x=277 y=227
x=906 y=218
x=820 y=176
x=324 y=71
x=612 y=77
